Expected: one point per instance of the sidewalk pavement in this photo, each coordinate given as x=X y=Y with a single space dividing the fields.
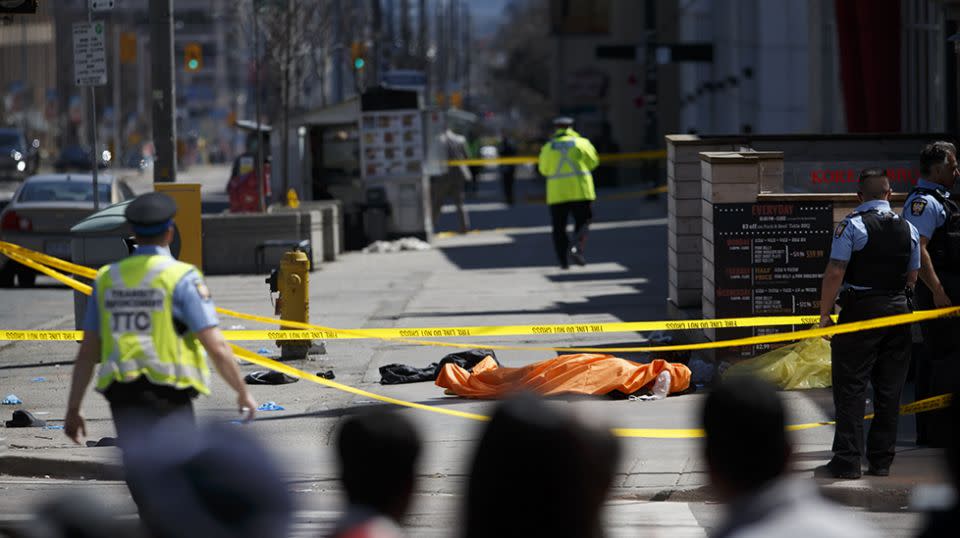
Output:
x=491 y=278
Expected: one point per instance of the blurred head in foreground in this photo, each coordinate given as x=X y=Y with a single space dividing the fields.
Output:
x=539 y=472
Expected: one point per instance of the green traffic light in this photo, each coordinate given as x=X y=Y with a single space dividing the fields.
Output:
x=358 y=63
x=193 y=64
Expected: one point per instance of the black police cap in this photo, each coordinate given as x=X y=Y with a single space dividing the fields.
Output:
x=150 y=209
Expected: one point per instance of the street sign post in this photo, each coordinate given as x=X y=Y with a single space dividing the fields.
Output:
x=90 y=70
x=89 y=54
x=102 y=5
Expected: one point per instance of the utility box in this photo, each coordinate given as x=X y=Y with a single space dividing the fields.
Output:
x=188 y=221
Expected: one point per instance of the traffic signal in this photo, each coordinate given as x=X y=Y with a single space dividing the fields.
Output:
x=18 y=7
x=128 y=47
x=358 y=52
x=192 y=57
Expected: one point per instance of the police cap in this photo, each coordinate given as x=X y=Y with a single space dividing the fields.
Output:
x=151 y=213
x=563 y=121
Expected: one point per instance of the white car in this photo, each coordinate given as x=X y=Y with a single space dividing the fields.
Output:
x=42 y=211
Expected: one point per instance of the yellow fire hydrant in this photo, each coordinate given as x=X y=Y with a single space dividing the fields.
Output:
x=293 y=283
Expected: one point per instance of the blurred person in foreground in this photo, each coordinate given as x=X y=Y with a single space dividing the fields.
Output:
x=378 y=455
x=76 y=515
x=539 y=472
x=566 y=161
x=946 y=522
x=747 y=453
x=214 y=482
x=149 y=326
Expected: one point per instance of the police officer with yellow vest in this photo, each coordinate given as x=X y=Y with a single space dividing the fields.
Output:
x=147 y=324
x=566 y=162
x=936 y=215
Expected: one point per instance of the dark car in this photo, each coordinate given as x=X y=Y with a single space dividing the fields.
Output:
x=18 y=159
x=77 y=158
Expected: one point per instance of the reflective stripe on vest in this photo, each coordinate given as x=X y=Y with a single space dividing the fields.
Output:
x=136 y=320
x=564 y=147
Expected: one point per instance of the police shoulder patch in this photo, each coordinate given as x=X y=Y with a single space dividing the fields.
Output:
x=202 y=290
x=841 y=227
x=918 y=205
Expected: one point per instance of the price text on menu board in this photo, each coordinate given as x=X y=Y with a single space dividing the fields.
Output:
x=769 y=260
x=391 y=143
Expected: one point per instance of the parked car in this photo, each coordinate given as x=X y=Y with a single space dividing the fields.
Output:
x=76 y=158
x=42 y=211
x=18 y=159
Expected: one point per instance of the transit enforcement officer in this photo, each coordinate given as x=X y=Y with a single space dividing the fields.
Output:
x=566 y=161
x=147 y=324
x=937 y=216
x=874 y=259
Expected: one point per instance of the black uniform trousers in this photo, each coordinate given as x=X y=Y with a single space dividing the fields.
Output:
x=139 y=405
x=938 y=368
x=559 y=213
x=880 y=356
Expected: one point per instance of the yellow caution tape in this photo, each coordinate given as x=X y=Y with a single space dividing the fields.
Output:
x=652 y=155
x=48 y=260
x=845 y=328
x=60 y=277
x=446 y=332
x=928 y=404
x=40 y=336
x=295 y=372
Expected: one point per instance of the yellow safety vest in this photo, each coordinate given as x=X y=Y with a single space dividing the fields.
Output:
x=137 y=335
x=566 y=161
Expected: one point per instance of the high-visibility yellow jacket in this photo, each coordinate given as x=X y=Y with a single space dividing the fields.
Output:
x=566 y=161
x=137 y=334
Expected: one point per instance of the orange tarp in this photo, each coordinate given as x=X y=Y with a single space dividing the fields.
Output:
x=583 y=373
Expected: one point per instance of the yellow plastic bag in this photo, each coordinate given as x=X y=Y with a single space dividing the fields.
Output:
x=801 y=365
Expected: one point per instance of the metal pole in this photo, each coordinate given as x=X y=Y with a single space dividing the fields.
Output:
x=256 y=83
x=285 y=136
x=23 y=75
x=651 y=90
x=141 y=77
x=93 y=133
x=164 y=105
x=116 y=94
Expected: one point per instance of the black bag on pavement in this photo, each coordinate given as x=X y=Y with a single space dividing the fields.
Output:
x=398 y=374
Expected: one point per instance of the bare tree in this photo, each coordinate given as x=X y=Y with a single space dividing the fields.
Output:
x=297 y=37
x=517 y=70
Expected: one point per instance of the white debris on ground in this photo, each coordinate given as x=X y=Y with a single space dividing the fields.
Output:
x=405 y=243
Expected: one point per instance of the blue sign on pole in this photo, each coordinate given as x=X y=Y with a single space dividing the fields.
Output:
x=405 y=78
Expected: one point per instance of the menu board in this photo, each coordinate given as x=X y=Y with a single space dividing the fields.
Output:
x=768 y=261
x=391 y=144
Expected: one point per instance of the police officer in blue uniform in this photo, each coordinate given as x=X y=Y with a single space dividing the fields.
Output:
x=152 y=369
x=874 y=261
x=936 y=215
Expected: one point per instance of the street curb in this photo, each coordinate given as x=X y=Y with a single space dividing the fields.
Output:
x=869 y=495
x=37 y=465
